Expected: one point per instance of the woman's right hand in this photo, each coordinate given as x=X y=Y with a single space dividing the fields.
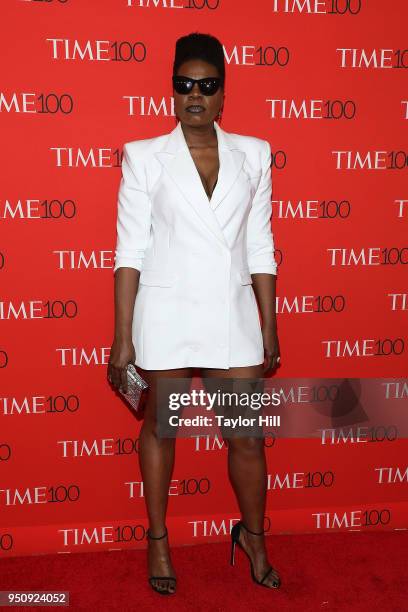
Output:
x=122 y=353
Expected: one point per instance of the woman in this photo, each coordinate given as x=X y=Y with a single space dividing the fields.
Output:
x=194 y=255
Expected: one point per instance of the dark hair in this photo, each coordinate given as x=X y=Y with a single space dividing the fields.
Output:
x=200 y=46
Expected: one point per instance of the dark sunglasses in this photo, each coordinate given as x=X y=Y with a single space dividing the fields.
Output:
x=208 y=86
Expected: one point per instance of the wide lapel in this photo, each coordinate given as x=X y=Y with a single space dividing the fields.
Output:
x=231 y=162
x=177 y=160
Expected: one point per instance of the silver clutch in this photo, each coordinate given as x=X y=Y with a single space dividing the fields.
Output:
x=136 y=384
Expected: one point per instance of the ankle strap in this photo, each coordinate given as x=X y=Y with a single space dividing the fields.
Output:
x=149 y=535
x=253 y=532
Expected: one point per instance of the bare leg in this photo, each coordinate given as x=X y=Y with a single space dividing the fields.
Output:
x=248 y=476
x=156 y=460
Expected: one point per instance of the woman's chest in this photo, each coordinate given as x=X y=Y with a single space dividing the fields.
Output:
x=207 y=165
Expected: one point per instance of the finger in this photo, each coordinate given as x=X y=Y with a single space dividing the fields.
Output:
x=267 y=367
x=116 y=377
x=272 y=361
x=276 y=360
x=123 y=380
x=265 y=363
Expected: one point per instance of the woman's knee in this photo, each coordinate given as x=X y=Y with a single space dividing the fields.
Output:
x=249 y=445
x=161 y=384
x=153 y=430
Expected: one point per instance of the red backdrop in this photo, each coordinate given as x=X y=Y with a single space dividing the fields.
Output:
x=325 y=83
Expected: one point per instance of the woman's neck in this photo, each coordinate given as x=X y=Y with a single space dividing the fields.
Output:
x=200 y=136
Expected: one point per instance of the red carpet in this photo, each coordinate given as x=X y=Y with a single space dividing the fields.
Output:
x=343 y=571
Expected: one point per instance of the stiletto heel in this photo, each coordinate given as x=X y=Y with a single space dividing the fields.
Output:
x=235 y=531
x=170 y=579
x=232 y=560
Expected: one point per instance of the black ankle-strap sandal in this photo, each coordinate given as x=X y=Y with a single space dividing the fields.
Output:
x=170 y=579
x=235 y=531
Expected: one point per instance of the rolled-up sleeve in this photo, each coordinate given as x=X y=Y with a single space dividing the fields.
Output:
x=260 y=241
x=133 y=215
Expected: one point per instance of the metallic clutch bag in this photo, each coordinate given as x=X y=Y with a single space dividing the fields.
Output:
x=136 y=384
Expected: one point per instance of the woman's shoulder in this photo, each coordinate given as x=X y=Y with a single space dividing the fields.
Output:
x=257 y=150
x=249 y=141
x=144 y=146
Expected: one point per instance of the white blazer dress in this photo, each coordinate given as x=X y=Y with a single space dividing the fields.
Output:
x=195 y=305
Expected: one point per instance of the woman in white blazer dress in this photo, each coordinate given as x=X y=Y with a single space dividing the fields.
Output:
x=194 y=259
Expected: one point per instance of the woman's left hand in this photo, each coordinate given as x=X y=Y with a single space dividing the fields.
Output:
x=271 y=348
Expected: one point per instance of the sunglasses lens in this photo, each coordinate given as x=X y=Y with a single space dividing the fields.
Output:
x=182 y=86
x=209 y=87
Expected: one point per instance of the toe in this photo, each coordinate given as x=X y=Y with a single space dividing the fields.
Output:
x=158 y=584
x=274 y=579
